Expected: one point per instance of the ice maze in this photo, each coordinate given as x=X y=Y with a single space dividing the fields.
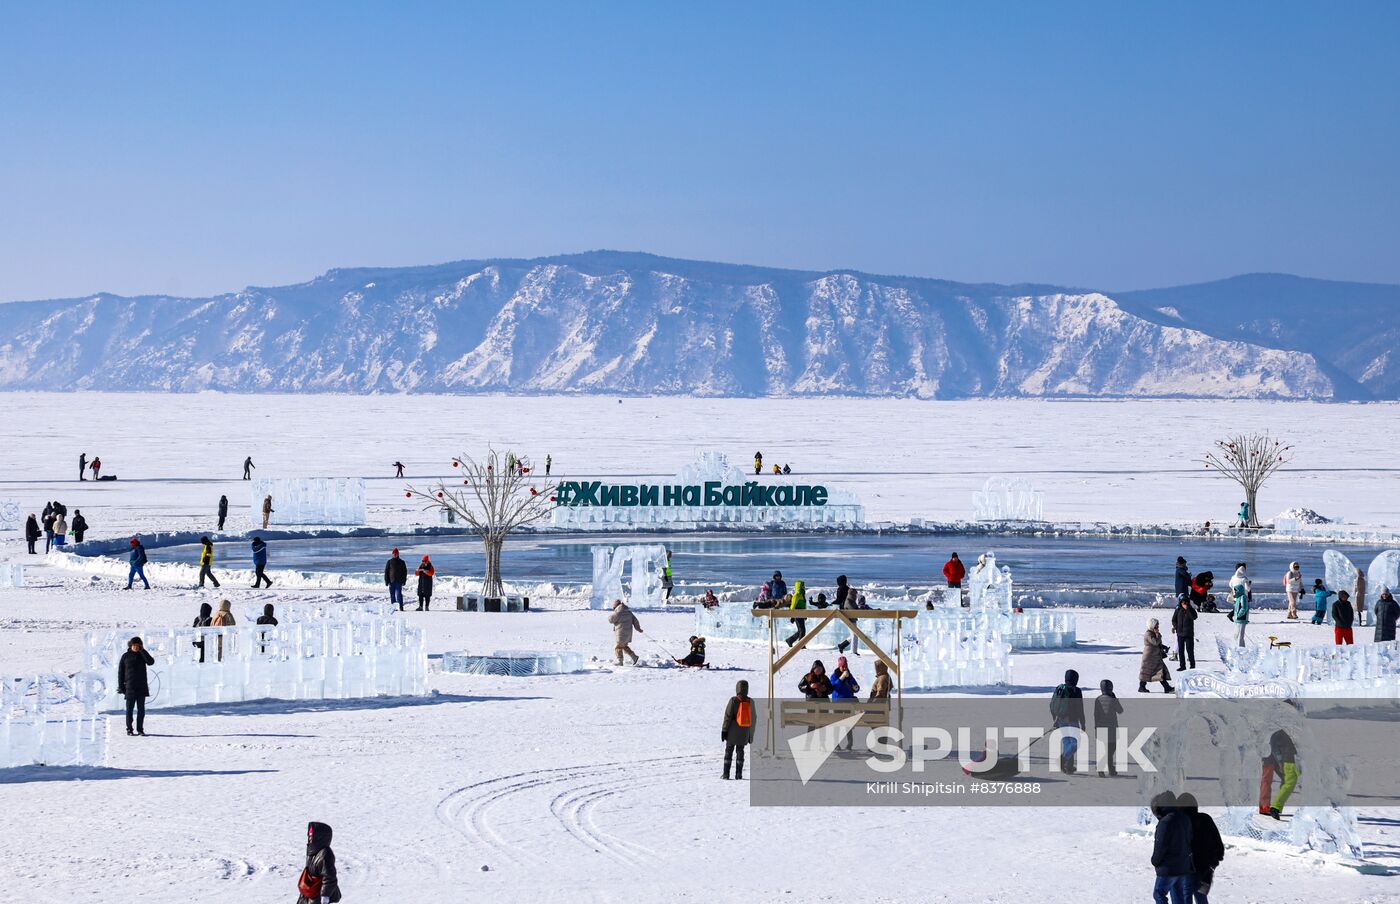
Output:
x=312 y=500
x=11 y=574
x=1345 y=671
x=52 y=720
x=351 y=656
x=515 y=663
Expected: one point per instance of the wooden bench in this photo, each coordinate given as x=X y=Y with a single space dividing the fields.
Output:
x=820 y=713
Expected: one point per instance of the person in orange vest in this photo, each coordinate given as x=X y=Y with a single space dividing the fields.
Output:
x=737 y=731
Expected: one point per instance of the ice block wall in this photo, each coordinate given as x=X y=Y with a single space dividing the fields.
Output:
x=311 y=500
x=52 y=720
x=310 y=660
x=1001 y=499
x=515 y=663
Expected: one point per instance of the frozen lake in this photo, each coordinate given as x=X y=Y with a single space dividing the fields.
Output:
x=893 y=564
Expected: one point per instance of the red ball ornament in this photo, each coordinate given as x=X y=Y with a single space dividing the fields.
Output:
x=408 y=495
x=439 y=495
x=454 y=464
x=533 y=491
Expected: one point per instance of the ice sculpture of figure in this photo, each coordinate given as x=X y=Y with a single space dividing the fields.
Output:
x=609 y=564
x=1364 y=588
x=1001 y=499
x=312 y=500
x=988 y=586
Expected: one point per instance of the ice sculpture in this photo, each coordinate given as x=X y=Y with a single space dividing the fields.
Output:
x=988 y=586
x=327 y=659
x=11 y=574
x=52 y=720
x=515 y=663
x=11 y=515
x=1340 y=574
x=955 y=648
x=1001 y=499
x=1042 y=630
x=708 y=493
x=312 y=500
x=609 y=564
x=1240 y=735
x=1348 y=671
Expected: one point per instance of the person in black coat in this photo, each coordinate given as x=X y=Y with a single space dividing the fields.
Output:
x=82 y=465
x=32 y=532
x=1171 y=851
x=268 y=620
x=132 y=683
x=1107 y=709
x=1343 y=616
x=318 y=880
x=1387 y=614
x=395 y=576
x=1183 y=578
x=49 y=520
x=223 y=511
x=1207 y=849
x=1067 y=711
x=1184 y=627
x=203 y=620
x=80 y=525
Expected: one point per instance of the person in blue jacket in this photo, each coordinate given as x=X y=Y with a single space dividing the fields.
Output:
x=844 y=686
x=1320 y=597
x=1183 y=578
x=260 y=563
x=779 y=586
x=137 y=559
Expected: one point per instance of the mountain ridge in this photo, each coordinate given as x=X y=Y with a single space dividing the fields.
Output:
x=618 y=322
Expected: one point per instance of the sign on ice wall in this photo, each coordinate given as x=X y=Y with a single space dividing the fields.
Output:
x=709 y=492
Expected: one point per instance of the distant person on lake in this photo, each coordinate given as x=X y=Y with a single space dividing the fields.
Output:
x=223 y=511
x=267 y=510
x=398 y=469
x=82 y=465
x=248 y=467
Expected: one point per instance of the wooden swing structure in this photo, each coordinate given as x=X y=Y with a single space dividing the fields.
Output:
x=818 y=713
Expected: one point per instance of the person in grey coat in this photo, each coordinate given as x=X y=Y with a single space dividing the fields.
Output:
x=624 y=622
x=737 y=730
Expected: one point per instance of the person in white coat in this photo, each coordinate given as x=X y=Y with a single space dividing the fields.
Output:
x=1242 y=593
x=1293 y=587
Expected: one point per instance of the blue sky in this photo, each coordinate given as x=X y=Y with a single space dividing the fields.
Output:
x=197 y=148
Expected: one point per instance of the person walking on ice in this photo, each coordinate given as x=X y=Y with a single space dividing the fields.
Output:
x=737 y=729
x=206 y=562
x=137 y=560
x=398 y=469
x=96 y=468
x=758 y=462
x=624 y=622
x=260 y=563
x=248 y=467
x=425 y=573
x=395 y=576
x=318 y=883
x=1242 y=590
x=267 y=510
x=223 y=511
x=548 y=463
x=82 y=465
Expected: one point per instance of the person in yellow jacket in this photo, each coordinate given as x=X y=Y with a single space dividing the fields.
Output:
x=799 y=601
x=758 y=462
x=206 y=562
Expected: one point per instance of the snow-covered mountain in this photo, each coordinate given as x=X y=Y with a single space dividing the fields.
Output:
x=620 y=323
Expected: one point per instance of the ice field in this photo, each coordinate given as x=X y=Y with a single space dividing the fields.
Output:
x=603 y=785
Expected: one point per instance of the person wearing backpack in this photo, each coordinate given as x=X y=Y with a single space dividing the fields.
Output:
x=1067 y=711
x=137 y=561
x=737 y=730
x=317 y=882
x=1207 y=849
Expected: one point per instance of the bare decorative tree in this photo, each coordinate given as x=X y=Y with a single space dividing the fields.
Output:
x=1249 y=460
x=496 y=498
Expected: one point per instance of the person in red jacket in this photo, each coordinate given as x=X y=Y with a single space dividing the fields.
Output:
x=954 y=571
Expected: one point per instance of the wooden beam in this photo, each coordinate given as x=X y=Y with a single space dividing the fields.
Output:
x=850 y=613
x=802 y=641
x=874 y=648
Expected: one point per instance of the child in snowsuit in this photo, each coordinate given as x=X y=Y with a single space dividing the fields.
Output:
x=696 y=656
x=737 y=729
x=1320 y=596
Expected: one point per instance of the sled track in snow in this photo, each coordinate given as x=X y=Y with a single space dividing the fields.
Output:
x=471 y=810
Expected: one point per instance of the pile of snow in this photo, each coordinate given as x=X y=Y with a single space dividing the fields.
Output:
x=1302 y=516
